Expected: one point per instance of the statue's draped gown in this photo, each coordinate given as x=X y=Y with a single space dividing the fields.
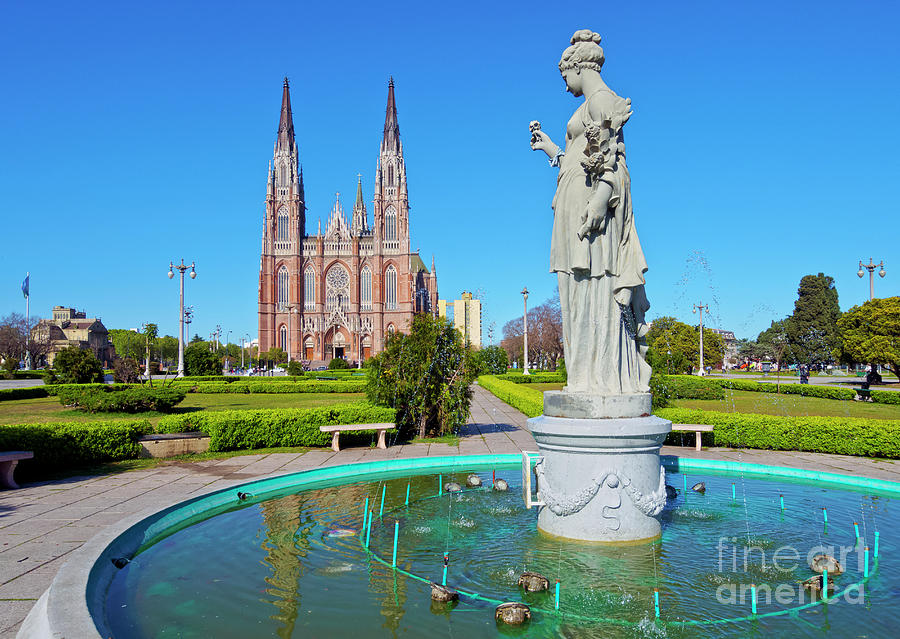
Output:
x=601 y=281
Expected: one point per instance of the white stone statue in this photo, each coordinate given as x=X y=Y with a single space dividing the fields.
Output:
x=594 y=249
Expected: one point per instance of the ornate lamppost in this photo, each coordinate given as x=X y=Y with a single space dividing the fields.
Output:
x=181 y=269
x=871 y=266
x=525 y=330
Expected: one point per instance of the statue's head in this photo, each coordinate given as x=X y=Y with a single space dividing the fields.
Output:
x=585 y=53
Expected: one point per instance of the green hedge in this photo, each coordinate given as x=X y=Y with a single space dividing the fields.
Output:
x=267 y=428
x=886 y=397
x=8 y=394
x=527 y=400
x=335 y=386
x=67 y=444
x=122 y=399
x=691 y=387
x=836 y=435
x=29 y=375
x=533 y=378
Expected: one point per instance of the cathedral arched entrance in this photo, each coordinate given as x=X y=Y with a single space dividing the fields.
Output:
x=337 y=343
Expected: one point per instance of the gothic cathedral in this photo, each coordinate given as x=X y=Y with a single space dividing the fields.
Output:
x=337 y=294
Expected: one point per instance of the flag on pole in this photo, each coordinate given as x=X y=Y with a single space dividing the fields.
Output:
x=25 y=285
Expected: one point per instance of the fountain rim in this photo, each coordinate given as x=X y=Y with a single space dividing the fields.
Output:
x=73 y=605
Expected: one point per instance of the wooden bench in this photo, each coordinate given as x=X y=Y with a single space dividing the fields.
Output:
x=692 y=428
x=863 y=395
x=8 y=461
x=337 y=429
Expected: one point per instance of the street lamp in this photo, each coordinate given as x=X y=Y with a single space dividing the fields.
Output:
x=701 y=308
x=525 y=330
x=242 y=348
x=181 y=269
x=227 y=337
x=871 y=266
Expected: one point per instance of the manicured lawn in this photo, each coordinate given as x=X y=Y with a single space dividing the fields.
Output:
x=544 y=387
x=790 y=405
x=48 y=409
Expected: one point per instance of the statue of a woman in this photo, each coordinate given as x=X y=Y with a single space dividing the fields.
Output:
x=595 y=250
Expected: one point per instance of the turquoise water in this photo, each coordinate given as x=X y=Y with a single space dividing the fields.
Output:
x=293 y=567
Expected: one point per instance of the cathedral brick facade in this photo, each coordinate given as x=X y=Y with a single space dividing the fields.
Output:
x=339 y=293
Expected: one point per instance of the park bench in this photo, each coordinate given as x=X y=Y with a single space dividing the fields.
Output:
x=8 y=461
x=863 y=395
x=322 y=377
x=337 y=429
x=692 y=428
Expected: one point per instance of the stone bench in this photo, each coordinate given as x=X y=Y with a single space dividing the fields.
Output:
x=8 y=462
x=337 y=429
x=692 y=428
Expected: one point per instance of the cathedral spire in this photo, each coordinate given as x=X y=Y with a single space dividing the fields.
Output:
x=286 y=123
x=359 y=225
x=391 y=127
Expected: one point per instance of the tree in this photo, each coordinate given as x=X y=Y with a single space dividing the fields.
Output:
x=425 y=375
x=127 y=343
x=199 y=361
x=871 y=333
x=167 y=347
x=812 y=331
x=545 y=342
x=492 y=360
x=14 y=328
x=73 y=365
x=674 y=347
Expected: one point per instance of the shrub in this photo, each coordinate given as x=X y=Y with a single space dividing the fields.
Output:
x=659 y=391
x=124 y=400
x=243 y=429
x=65 y=445
x=10 y=366
x=199 y=361
x=836 y=435
x=295 y=369
x=337 y=364
x=73 y=365
x=424 y=375
x=29 y=374
x=125 y=370
x=492 y=360
x=527 y=400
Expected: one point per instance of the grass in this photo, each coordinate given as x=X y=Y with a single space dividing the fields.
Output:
x=48 y=409
x=790 y=405
x=449 y=439
x=546 y=387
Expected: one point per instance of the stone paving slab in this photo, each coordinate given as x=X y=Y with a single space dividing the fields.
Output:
x=44 y=521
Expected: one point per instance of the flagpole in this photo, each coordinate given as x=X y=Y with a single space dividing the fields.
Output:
x=27 y=328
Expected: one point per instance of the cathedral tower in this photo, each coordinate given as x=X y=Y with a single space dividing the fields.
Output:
x=282 y=239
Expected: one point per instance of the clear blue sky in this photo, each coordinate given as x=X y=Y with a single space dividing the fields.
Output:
x=763 y=145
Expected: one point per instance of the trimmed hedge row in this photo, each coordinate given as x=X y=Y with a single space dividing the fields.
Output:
x=122 y=400
x=806 y=390
x=886 y=397
x=269 y=428
x=533 y=378
x=836 y=435
x=527 y=400
x=69 y=444
x=8 y=394
x=335 y=386
x=690 y=387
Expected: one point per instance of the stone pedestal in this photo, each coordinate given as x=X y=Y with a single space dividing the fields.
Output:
x=600 y=478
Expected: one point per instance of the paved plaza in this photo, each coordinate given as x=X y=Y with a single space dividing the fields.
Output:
x=41 y=523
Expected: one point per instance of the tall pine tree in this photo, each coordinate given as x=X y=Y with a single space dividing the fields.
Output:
x=812 y=331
